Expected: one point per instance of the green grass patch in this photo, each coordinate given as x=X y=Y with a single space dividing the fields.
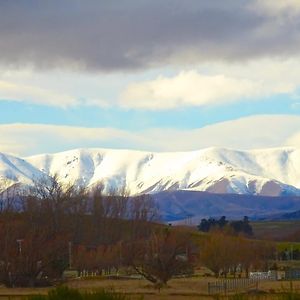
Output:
x=281 y=246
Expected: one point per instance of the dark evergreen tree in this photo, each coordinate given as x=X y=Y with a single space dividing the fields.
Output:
x=222 y=222
x=204 y=225
x=240 y=226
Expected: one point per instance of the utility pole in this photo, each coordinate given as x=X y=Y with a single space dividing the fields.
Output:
x=20 y=241
x=70 y=255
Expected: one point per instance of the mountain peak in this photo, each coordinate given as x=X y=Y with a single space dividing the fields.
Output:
x=219 y=170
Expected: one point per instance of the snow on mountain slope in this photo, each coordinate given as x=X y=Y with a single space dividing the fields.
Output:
x=16 y=170
x=265 y=172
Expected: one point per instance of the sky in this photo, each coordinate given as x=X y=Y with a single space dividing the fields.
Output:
x=151 y=75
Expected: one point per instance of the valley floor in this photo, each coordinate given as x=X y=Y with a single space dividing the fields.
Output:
x=185 y=288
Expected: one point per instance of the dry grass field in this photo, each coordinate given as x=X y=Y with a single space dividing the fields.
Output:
x=275 y=230
x=185 y=288
x=178 y=289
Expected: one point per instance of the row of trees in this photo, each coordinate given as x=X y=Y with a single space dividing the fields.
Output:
x=224 y=254
x=52 y=227
x=237 y=227
x=39 y=229
x=157 y=258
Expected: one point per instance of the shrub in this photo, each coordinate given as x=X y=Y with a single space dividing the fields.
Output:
x=65 y=293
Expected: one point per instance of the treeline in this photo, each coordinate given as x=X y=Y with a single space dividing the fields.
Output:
x=289 y=254
x=52 y=227
x=235 y=255
x=237 y=227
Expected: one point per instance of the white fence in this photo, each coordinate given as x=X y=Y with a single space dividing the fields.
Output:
x=230 y=285
x=270 y=275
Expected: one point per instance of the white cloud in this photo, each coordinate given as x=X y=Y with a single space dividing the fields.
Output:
x=294 y=140
x=59 y=89
x=206 y=85
x=223 y=83
x=35 y=95
x=27 y=139
x=278 y=7
x=246 y=133
x=186 y=89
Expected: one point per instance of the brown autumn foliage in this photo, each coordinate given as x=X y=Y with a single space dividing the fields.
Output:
x=160 y=257
x=96 y=259
x=36 y=228
x=224 y=253
x=105 y=232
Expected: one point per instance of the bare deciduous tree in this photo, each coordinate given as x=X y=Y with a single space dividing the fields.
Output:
x=160 y=257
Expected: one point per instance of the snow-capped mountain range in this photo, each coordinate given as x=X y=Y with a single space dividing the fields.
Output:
x=267 y=172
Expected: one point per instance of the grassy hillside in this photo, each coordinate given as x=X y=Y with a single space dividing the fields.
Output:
x=277 y=230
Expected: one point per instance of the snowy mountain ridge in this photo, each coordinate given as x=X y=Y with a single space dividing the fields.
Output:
x=269 y=172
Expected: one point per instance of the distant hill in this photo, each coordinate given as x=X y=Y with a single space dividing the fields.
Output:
x=294 y=215
x=191 y=206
